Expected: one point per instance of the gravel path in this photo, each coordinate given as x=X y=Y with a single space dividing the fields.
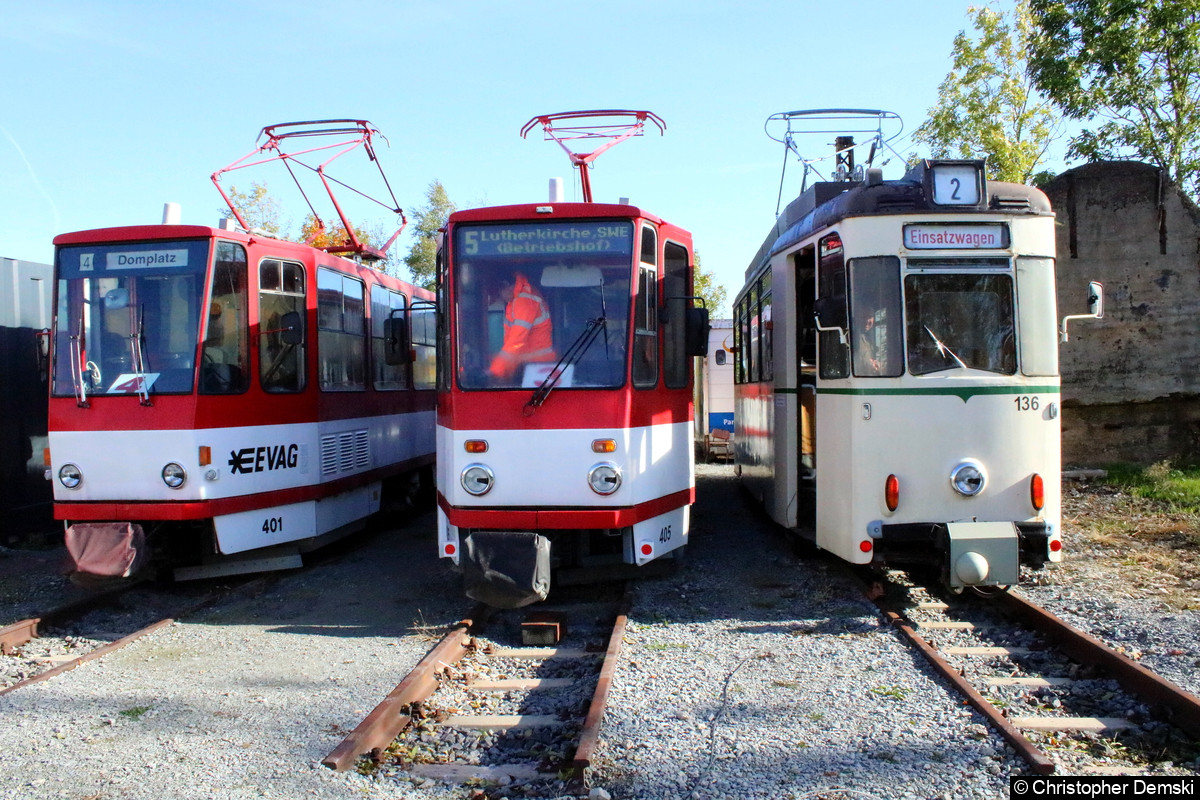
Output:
x=748 y=674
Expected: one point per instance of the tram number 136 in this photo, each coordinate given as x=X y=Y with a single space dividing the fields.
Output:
x=272 y=525
x=1026 y=402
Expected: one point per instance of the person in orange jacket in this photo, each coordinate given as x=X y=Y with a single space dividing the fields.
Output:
x=527 y=329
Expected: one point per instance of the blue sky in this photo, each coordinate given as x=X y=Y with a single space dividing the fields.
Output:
x=111 y=109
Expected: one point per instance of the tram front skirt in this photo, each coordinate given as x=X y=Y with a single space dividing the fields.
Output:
x=506 y=569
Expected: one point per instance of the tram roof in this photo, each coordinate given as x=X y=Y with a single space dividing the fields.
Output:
x=828 y=202
x=531 y=212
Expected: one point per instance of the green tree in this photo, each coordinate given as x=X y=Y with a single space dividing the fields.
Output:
x=705 y=286
x=987 y=106
x=1130 y=70
x=427 y=221
x=258 y=208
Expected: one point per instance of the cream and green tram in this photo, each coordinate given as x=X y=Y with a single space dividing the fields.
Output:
x=896 y=374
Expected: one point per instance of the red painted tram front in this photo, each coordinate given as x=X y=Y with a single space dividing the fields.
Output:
x=565 y=393
x=220 y=397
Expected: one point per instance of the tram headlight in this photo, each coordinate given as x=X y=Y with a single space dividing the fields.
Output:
x=477 y=479
x=604 y=478
x=174 y=475
x=968 y=478
x=70 y=476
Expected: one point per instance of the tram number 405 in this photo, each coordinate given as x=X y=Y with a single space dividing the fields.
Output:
x=272 y=525
x=664 y=535
x=1026 y=402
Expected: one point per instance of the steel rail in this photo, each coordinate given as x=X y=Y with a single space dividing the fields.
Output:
x=93 y=654
x=1041 y=763
x=387 y=720
x=1177 y=706
x=589 y=736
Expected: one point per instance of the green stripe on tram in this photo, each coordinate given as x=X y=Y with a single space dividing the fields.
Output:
x=964 y=393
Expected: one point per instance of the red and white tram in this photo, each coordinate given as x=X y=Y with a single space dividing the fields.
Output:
x=222 y=401
x=565 y=390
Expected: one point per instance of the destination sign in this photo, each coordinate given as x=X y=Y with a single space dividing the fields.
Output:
x=547 y=238
x=88 y=260
x=951 y=236
x=146 y=258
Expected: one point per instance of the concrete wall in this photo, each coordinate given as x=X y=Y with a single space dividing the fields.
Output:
x=1131 y=382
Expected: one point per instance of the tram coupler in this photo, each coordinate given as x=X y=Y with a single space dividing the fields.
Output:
x=983 y=554
x=506 y=569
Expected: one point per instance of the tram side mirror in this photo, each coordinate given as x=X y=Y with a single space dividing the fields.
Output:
x=695 y=333
x=291 y=328
x=830 y=312
x=395 y=339
x=1095 y=305
x=1096 y=299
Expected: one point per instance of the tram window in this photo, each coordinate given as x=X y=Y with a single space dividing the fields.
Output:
x=280 y=299
x=645 y=337
x=225 y=356
x=340 y=322
x=767 y=370
x=649 y=253
x=443 y=330
x=424 y=344
x=676 y=289
x=386 y=304
x=962 y=321
x=834 y=352
x=739 y=365
x=1037 y=313
x=876 y=342
x=575 y=291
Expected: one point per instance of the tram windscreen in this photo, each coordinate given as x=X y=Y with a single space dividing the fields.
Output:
x=960 y=321
x=128 y=317
x=527 y=294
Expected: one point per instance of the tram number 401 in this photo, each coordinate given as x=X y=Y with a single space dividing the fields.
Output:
x=1026 y=402
x=272 y=525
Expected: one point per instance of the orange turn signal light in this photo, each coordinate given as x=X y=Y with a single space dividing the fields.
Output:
x=475 y=446
x=604 y=446
x=891 y=492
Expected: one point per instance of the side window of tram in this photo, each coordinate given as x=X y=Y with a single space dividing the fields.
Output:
x=645 y=335
x=765 y=354
x=834 y=354
x=281 y=334
x=341 y=324
x=424 y=343
x=676 y=363
x=739 y=373
x=875 y=339
x=386 y=304
x=225 y=356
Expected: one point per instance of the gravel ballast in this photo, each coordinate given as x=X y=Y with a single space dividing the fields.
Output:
x=749 y=673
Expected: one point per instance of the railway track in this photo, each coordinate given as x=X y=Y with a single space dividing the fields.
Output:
x=1062 y=698
x=61 y=639
x=519 y=706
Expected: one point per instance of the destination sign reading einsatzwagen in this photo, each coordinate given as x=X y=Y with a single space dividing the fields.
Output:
x=950 y=236
x=548 y=238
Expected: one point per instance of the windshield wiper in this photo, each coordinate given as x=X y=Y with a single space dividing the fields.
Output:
x=136 y=342
x=578 y=347
x=943 y=350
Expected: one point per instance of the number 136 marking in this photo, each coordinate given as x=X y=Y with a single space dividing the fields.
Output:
x=1027 y=402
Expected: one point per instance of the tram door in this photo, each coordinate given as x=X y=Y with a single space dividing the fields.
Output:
x=834 y=428
x=805 y=269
